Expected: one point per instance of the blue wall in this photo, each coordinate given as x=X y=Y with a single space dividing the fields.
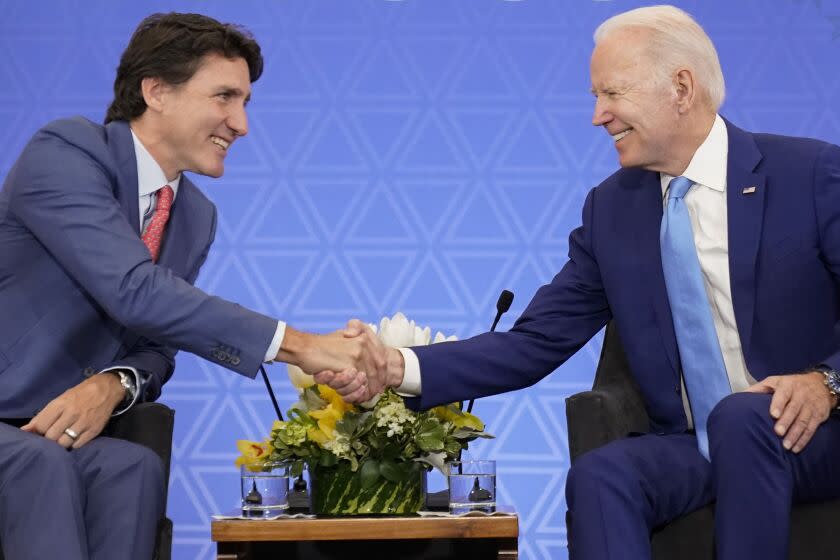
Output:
x=414 y=155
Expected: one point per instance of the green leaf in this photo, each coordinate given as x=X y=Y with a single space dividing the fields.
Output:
x=327 y=458
x=429 y=444
x=297 y=469
x=391 y=471
x=369 y=473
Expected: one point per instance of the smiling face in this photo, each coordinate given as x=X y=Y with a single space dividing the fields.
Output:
x=636 y=108
x=199 y=120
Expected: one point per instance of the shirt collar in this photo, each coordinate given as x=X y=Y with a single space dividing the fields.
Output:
x=708 y=166
x=150 y=177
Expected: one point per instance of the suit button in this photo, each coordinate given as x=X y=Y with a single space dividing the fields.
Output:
x=88 y=372
x=235 y=360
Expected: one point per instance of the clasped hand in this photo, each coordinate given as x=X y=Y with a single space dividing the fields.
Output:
x=800 y=403
x=369 y=374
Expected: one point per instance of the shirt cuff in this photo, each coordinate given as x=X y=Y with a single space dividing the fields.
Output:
x=137 y=386
x=412 y=384
x=274 y=347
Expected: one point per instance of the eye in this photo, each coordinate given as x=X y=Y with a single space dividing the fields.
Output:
x=224 y=96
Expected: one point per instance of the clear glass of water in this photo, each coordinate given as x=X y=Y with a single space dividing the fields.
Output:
x=472 y=486
x=265 y=488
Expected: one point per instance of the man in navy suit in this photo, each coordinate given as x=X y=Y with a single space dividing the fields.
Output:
x=102 y=237
x=717 y=254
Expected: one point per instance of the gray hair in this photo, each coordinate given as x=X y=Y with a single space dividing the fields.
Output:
x=676 y=41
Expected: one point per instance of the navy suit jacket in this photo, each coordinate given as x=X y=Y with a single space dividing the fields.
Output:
x=784 y=260
x=78 y=290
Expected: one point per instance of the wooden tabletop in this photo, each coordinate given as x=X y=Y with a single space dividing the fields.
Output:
x=365 y=528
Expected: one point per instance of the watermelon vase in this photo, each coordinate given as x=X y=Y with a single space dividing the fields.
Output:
x=339 y=491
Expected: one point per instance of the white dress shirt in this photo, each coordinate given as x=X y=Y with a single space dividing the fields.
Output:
x=706 y=202
x=150 y=179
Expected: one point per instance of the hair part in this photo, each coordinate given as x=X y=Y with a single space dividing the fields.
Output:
x=172 y=47
x=676 y=41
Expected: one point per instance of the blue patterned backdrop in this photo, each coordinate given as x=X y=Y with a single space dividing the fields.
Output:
x=414 y=155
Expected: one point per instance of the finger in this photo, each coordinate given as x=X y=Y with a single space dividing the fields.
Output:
x=344 y=379
x=86 y=436
x=43 y=420
x=324 y=377
x=800 y=433
x=781 y=397
x=66 y=420
x=359 y=395
x=761 y=387
x=65 y=441
x=354 y=327
x=789 y=413
x=357 y=383
x=797 y=427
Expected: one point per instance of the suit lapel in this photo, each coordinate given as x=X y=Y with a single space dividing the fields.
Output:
x=122 y=146
x=745 y=192
x=648 y=211
x=180 y=230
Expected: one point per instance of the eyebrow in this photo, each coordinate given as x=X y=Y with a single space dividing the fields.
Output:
x=234 y=91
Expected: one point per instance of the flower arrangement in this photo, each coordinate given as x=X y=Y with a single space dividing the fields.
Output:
x=361 y=448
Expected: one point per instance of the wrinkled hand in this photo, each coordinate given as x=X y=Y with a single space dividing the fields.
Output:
x=801 y=402
x=359 y=384
x=85 y=409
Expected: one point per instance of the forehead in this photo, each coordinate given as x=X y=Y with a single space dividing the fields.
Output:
x=620 y=57
x=215 y=70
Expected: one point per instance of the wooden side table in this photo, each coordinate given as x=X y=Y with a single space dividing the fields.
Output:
x=351 y=537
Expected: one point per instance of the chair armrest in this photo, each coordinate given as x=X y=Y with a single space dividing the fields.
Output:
x=595 y=418
x=148 y=424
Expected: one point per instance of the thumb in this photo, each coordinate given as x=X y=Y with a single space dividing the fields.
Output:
x=354 y=328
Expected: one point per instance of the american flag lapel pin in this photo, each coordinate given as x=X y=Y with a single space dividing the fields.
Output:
x=748 y=190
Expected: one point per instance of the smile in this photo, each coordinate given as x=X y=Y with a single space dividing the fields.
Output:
x=223 y=144
x=620 y=135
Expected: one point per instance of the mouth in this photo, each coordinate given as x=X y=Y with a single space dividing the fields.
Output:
x=221 y=142
x=622 y=134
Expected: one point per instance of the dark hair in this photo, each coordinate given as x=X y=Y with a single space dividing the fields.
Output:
x=171 y=47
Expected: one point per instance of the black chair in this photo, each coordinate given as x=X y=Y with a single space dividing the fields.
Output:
x=148 y=424
x=614 y=408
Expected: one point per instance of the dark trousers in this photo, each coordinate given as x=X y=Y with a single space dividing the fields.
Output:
x=619 y=493
x=102 y=501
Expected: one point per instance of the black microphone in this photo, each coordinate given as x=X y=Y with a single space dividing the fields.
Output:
x=502 y=307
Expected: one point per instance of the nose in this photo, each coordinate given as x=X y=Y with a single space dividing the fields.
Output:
x=237 y=121
x=601 y=115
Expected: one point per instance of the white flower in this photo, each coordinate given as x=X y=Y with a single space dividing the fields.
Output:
x=394 y=416
x=399 y=332
x=299 y=379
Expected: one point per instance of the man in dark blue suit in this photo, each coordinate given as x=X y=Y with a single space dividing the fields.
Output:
x=102 y=237
x=717 y=254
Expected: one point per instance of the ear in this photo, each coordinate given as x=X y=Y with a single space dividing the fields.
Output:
x=154 y=93
x=686 y=90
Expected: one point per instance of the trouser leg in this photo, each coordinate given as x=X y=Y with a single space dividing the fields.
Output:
x=618 y=493
x=125 y=490
x=757 y=480
x=41 y=499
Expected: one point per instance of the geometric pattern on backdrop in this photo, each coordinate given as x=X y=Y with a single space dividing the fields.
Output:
x=404 y=155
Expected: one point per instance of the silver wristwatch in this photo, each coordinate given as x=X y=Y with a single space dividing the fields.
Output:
x=832 y=382
x=127 y=381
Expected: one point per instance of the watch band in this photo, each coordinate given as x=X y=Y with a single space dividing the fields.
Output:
x=127 y=381
x=832 y=382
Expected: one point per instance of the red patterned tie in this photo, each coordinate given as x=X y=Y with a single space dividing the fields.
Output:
x=153 y=235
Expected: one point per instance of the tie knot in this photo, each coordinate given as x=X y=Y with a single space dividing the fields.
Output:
x=679 y=186
x=164 y=198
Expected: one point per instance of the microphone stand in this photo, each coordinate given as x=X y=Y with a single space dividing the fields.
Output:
x=300 y=483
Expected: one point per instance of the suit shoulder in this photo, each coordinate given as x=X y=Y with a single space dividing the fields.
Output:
x=623 y=179
x=75 y=130
x=787 y=148
x=59 y=139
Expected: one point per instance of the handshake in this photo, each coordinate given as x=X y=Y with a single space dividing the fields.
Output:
x=353 y=361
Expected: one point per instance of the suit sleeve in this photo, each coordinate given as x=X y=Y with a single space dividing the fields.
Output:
x=64 y=196
x=559 y=320
x=827 y=206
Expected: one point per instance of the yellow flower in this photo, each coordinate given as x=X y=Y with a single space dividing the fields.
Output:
x=329 y=415
x=317 y=436
x=460 y=419
x=334 y=399
x=252 y=451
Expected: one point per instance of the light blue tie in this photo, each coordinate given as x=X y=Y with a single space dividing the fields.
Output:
x=702 y=362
